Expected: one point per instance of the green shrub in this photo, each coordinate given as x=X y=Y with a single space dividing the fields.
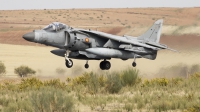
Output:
x=24 y=71
x=195 y=108
x=93 y=83
x=9 y=85
x=4 y=101
x=113 y=83
x=80 y=80
x=128 y=107
x=129 y=77
x=2 y=68
x=15 y=104
x=195 y=76
x=30 y=83
x=102 y=80
x=12 y=107
x=156 y=81
x=34 y=83
x=23 y=105
x=175 y=81
x=90 y=80
x=140 y=104
x=51 y=100
x=96 y=101
x=55 y=83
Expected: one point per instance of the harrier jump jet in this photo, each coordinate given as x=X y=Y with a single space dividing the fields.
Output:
x=75 y=43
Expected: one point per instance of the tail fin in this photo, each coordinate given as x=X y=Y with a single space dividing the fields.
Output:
x=153 y=34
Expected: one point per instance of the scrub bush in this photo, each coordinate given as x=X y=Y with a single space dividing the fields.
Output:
x=2 y=68
x=24 y=71
x=129 y=77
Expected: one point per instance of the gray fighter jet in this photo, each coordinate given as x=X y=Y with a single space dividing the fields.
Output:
x=95 y=45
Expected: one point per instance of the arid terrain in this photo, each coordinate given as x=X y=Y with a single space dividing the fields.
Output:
x=181 y=31
x=120 y=88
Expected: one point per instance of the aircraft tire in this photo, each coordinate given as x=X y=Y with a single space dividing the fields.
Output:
x=86 y=66
x=107 y=65
x=68 y=65
x=134 y=64
x=101 y=65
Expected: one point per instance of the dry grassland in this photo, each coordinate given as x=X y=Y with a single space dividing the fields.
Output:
x=180 y=31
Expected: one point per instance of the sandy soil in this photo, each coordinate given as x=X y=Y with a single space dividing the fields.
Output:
x=45 y=63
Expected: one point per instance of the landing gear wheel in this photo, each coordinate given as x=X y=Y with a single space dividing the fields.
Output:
x=69 y=63
x=101 y=65
x=134 y=64
x=86 y=66
x=105 y=65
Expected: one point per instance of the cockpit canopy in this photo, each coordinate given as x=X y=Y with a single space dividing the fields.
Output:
x=55 y=27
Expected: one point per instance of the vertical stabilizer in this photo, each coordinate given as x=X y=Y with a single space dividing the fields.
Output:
x=153 y=34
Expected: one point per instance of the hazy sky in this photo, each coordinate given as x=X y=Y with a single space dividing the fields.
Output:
x=68 y=4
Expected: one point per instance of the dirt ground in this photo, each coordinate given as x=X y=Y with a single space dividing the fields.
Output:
x=181 y=31
x=127 y=21
x=45 y=63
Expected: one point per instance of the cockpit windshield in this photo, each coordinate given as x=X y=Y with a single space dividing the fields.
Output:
x=55 y=27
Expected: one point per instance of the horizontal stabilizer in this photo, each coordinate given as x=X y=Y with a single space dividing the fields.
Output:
x=162 y=46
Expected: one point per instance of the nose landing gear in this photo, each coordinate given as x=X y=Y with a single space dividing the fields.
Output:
x=68 y=62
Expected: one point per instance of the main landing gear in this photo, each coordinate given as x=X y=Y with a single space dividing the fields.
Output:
x=87 y=65
x=68 y=62
x=134 y=62
x=105 y=65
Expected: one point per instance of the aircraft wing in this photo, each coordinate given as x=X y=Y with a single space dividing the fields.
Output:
x=123 y=39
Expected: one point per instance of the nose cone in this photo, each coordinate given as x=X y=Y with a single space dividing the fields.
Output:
x=29 y=36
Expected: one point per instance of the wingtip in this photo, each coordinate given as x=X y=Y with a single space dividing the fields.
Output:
x=172 y=50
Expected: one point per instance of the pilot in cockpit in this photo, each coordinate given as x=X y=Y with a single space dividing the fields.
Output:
x=55 y=27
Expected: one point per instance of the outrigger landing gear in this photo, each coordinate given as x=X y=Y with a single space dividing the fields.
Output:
x=134 y=62
x=87 y=65
x=68 y=62
x=105 y=65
